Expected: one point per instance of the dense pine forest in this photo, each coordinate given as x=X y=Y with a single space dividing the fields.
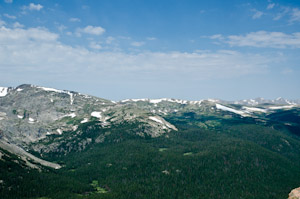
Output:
x=239 y=160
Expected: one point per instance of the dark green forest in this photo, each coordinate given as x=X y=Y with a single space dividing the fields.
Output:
x=237 y=159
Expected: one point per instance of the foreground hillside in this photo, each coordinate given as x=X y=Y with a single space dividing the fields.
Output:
x=62 y=144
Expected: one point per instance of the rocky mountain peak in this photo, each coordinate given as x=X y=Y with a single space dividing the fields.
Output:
x=31 y=113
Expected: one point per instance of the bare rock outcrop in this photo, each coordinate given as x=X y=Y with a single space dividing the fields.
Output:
x=295 y=194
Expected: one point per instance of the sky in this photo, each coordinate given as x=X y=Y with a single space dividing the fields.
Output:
x=120 y=49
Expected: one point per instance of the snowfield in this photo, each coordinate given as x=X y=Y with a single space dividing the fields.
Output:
x=225 y=108
x=3 y=91
x=96 y=114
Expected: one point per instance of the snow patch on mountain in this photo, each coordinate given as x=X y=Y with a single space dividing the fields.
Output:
x=281 y=107
x=58 y=91
x=165 y=124
x=252 y=102
x=282 y=101
x=163 y=112
x=196 y=102
x=74 y=128
x=59 y=131
x=31 y=120
x=156 y=119
x=96 y=114
x=72 y=115
x=3 y=91
x=85 y=120
x=213 y=100
x=51 y=89
x=156 y=101
x=71 y=97
x=252 y=109
x=134 y=100
x=225 y=108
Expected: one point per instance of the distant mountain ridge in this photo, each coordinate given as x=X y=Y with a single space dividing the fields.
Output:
x=250 y=102
x=254 y=102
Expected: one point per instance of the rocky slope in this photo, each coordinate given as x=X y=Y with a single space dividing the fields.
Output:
x=29 y=114
x=295 y=194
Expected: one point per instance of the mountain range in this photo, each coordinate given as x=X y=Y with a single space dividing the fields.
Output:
x=64 y=144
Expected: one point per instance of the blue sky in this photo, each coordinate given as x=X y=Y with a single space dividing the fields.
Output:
x=151 y=49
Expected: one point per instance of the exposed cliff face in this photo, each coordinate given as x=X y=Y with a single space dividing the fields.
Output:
x=295 y=194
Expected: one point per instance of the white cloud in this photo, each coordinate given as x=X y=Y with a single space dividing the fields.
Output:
x=61 y=27
x=277 y=17
x=257 y=14
x=270 y=6
x=217 y=36
x=26 y=36
x=33 y=6
x=151 y=38
x=18 y=25
x=74 y=20
x=283 y=11
x=110 y=39
x=9 y=16
x=292 y=14
x=95 y=45
x=93 y=30
x=8 y=1
x=36 y=53
x=295 y=15
x=264 y=39
x=2 y=23
x=137 y=44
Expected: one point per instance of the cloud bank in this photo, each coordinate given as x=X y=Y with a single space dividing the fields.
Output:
x=37 y=52
x=262 y=39
x=33 y=6
x=93 y=30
